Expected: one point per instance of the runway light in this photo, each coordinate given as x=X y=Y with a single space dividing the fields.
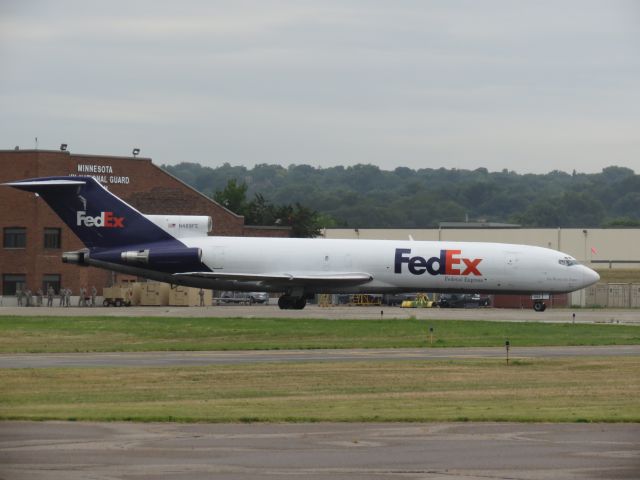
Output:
x=63 y=147
x=135 y=152
x=507 y=345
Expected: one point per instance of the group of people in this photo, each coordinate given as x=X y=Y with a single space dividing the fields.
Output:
x=25 y=297
x=85 y=299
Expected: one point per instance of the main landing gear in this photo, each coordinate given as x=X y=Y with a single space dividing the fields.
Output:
x=290 y=302
x=539 y=306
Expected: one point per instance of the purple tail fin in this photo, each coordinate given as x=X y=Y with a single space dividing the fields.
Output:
x=99 y=218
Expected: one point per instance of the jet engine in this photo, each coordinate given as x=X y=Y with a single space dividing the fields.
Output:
x=78 y=257
x=162 y=257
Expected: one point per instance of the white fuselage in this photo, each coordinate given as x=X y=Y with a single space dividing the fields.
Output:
x=398 y=265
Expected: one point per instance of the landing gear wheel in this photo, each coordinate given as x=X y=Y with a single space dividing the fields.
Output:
x=106 y=303
x=287 y=302
x=118 y=302
x=539 y=306
x=283 y=302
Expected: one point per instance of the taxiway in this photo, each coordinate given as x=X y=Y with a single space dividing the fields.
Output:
x=439 y=451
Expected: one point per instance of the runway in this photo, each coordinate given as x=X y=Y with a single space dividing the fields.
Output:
x=469 y=451
x=170 y=359
x=559 y=315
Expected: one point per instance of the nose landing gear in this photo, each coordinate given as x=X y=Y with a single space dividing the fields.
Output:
x=539 y=306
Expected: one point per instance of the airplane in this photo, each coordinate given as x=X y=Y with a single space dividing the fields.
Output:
x=177 y=249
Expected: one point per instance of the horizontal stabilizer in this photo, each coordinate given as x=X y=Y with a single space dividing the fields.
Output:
x=37 y=185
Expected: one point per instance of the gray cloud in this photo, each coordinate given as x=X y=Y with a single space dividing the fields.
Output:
x=529 y=86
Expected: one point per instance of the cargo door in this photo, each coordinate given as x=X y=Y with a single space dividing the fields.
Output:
x=218 y=258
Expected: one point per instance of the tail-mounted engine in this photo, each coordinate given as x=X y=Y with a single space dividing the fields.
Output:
x=79 y=257
x=162 y=257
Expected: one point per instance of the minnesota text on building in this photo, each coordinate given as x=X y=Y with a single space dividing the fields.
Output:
x=34 y=237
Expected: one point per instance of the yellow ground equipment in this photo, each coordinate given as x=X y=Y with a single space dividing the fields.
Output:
x=365 y=300
x=324 y=300
x=421 y=301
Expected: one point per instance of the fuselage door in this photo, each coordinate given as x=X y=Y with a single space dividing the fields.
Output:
x=218 y=257
x=511 y=270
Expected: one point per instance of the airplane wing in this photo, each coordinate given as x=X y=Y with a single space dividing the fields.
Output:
x=323 y=278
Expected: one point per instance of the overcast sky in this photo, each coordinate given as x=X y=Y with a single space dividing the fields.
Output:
x=529 y=86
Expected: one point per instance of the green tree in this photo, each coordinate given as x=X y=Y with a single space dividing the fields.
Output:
x=623 y=222
x=233 y=196
x=304 y=222
x=367 y=196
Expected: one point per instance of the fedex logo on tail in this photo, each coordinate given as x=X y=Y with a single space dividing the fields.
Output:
x=105 y=220
x=450 y=262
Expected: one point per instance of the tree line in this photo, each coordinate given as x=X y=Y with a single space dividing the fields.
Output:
x=365 y=196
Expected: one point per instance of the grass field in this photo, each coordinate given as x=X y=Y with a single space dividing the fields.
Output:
x=108 y=334
x=552 y=390
x=541 y=390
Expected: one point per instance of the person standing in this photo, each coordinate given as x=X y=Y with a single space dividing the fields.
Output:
x=50 y=294
x=94 y=292
x=67 y=297
x=39 y=296
x=201 y=293
x=19 y=295
x=28 y=298
x=63 y=292
x=81 y=297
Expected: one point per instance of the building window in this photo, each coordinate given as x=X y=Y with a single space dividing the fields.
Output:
x=15 y=237
x=52 y=238
x=11 y=282
x=51 y=279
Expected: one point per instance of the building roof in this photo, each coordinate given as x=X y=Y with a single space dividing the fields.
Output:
x=478 y=225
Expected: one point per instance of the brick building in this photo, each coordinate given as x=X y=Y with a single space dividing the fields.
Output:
x=34 y=237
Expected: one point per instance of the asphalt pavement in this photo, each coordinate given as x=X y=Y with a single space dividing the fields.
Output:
x=172 y=359
x=438 y=451
x=555 y=315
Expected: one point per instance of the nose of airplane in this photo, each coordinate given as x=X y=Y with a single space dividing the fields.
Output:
x=589 y=277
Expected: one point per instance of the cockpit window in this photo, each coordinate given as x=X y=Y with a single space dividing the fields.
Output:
x=568 y=261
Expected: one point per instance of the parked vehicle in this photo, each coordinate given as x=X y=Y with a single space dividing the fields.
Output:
x=245 y=297
x=421 y=300
x=463 y=300
x=396 y=299
x=123 y=295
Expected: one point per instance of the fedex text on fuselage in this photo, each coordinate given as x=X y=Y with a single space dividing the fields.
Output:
x=449 y=262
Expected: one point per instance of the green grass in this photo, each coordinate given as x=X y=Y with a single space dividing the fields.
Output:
x=550 y=390
x=108 y=334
